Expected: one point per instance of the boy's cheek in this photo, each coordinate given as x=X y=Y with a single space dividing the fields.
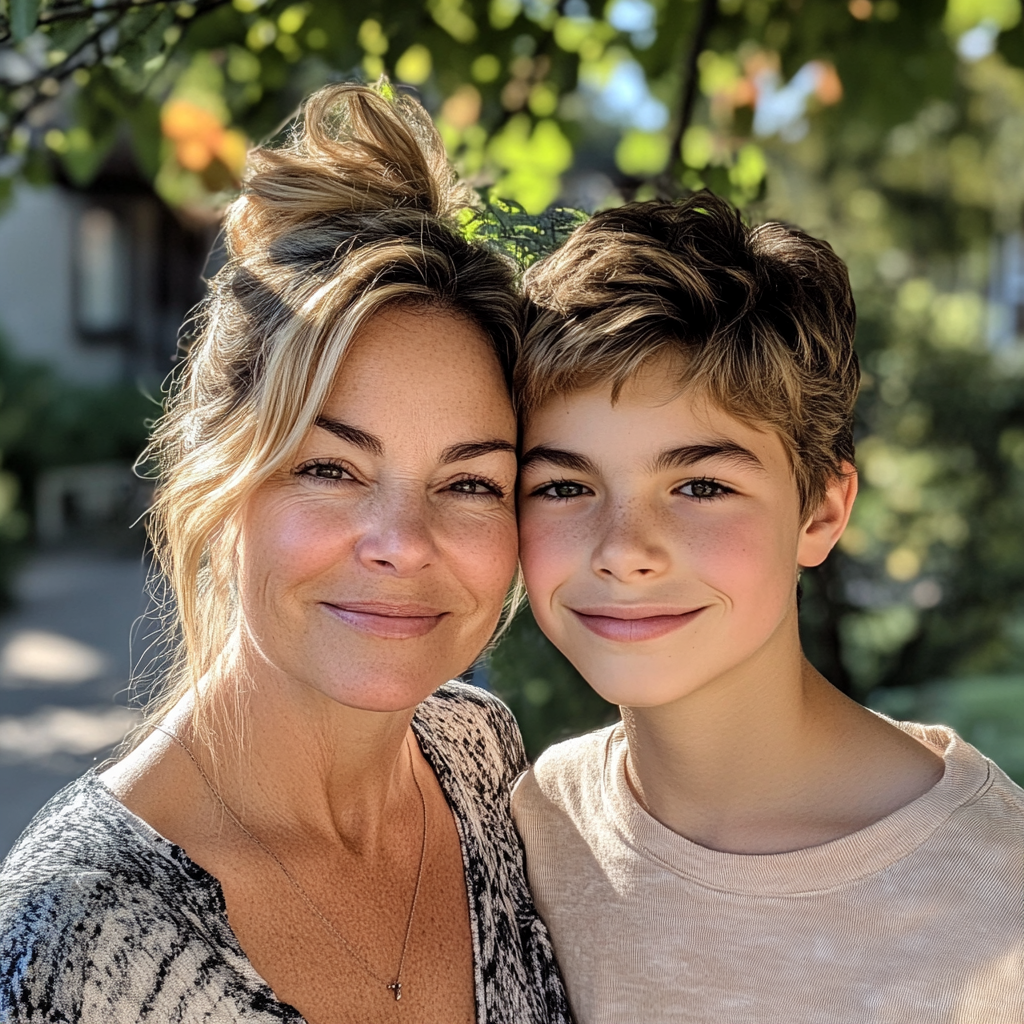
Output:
x=548 y=552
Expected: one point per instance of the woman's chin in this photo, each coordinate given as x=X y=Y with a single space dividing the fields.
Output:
x=372 y=694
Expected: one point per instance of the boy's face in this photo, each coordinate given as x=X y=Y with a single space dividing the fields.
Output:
x=661 y=538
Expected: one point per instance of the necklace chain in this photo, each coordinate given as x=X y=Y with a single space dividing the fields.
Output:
x=395 y=987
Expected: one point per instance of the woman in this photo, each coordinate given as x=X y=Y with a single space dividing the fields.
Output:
x=305 y=833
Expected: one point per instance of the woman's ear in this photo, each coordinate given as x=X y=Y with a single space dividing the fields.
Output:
x=827 y=522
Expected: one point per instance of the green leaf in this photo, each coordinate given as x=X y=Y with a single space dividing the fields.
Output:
x=68 y=35
x=145 y=33
x=86 y=154
x=24 y=18
x=642 y=153
x=524 y=236
x=962 y=15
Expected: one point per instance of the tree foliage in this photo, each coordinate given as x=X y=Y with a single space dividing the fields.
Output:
x=895 y=128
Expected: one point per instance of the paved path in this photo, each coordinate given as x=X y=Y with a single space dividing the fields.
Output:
x=64 y=670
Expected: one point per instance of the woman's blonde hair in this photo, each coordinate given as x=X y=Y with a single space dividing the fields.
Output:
x=356 y=211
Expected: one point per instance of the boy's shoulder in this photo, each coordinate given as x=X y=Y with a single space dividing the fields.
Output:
x=568 y=778
x=975 y=811
x=984 y=804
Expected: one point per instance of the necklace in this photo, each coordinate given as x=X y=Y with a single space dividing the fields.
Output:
x=394 y=987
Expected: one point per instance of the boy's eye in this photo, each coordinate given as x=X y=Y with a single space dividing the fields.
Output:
x=560 y=489
x=703 y=489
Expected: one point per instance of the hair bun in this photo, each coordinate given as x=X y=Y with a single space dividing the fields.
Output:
x=355 y=151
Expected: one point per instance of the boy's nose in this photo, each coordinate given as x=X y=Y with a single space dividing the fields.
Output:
x=629 y=550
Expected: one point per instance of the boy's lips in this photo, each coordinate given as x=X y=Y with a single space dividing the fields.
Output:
x=626 y=623
x=389 y=621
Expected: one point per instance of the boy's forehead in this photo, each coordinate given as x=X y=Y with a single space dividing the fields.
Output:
x=657 y=399
x=652 y=413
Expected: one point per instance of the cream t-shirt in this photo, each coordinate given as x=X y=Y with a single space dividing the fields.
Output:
x=917 y=919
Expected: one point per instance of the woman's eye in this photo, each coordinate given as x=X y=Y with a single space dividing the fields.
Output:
x=475 y=486
x=561 y=489
x=704 y=489
x=325 y=471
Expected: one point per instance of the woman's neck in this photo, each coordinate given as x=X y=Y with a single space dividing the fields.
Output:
x=281 y=755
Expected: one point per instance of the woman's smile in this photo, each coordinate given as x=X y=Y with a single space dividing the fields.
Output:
x=387 y=621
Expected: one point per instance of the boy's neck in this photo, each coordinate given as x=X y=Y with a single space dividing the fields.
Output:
x=772 y=759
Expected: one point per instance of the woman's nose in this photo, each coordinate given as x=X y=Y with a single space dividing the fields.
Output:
x=396 y=536
x=629 y=547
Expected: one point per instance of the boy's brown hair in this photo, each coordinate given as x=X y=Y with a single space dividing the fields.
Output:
x=762 y=318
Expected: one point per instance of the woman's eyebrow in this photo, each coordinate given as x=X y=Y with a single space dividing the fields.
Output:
x=687 y=455
x=360 y=438
x=474 y=449
x=559 y=457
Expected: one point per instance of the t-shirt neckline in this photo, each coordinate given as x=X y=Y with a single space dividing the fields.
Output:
x=831 y=865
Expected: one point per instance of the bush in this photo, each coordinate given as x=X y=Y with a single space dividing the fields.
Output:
x=46 y=422
x=987 y=711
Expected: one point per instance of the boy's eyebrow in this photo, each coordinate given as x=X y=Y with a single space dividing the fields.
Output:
x=559 y=457
x=474 y=449
x=688 y=454
x=360 y=438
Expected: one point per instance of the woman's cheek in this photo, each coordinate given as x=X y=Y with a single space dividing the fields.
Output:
x=486 y=549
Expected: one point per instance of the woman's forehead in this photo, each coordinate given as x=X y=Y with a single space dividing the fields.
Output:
x=425 y=373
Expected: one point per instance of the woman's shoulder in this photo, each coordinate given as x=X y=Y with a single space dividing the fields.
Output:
x=89 y=896
x=473 y=726
x=83 y=843
x=473 y=744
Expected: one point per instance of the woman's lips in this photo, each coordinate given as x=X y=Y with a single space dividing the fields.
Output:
x=633 y=624
x=391 y=622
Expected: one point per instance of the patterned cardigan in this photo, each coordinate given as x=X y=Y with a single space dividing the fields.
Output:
x=103 y=921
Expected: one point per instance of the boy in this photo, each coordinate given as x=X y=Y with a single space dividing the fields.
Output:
x=747 y=845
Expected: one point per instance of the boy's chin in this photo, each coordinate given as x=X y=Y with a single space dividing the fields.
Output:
x=637 y=690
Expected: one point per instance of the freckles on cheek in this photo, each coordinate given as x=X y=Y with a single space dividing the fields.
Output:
x=548 y=550
x=291 y=539
x=493 y=553
x=744 y=561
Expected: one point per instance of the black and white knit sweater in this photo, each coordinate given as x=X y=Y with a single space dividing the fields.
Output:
x=103 y=921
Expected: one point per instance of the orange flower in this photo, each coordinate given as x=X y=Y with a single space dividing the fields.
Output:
x=232 y=151
x=199 y=137
x=829 y=86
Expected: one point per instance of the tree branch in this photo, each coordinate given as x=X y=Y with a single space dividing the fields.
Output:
x=65 y=13
x=71 y=63
x=706 y=17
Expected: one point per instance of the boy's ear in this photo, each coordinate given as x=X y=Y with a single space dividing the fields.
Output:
x=828 y=521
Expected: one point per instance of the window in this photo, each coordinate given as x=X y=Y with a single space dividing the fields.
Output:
x=103 y=275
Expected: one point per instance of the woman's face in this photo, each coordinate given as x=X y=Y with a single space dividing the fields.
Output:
x=375 y=566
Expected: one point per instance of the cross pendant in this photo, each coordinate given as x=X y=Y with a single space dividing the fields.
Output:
x=396 y=987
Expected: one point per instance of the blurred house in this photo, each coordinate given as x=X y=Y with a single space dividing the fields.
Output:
x=96 y=281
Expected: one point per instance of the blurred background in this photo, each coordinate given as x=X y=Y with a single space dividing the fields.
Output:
x=894 y=128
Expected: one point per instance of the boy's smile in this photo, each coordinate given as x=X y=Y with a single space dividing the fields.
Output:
x=660 y=537
x=627 y=623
